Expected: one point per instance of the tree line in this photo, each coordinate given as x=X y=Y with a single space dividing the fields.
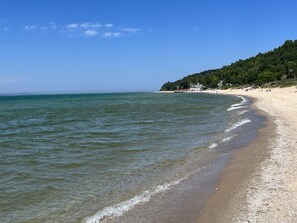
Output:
x=278 y=64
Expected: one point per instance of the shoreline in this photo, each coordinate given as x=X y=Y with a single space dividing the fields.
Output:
x=258 y=184
x=188 y=198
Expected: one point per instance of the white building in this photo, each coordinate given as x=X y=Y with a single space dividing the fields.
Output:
x=196 y=87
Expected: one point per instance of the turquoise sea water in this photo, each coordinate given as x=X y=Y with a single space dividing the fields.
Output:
x=63 y=158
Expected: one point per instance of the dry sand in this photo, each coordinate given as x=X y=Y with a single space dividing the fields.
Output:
x=260 y=183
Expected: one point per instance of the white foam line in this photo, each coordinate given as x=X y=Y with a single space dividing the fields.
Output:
x=227 y=139
x=235 y=108
x=237 y=124
x=119 y=209
x=242 y=112
x=214 y=145
x=238 y=105
x=242 y=98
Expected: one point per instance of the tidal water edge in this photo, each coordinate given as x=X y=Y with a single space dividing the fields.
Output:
x=92 y=157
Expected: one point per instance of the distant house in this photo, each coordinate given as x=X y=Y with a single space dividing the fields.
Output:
x=220 y=84
x=196 y=87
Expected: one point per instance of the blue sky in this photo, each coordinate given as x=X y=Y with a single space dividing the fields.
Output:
x=60 y=46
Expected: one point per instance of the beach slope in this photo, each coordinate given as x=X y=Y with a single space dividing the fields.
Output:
x=260 y=183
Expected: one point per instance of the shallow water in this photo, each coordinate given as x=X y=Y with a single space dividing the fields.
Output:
x=65 y=157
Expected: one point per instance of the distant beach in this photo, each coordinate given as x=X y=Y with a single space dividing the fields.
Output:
x=260 y=184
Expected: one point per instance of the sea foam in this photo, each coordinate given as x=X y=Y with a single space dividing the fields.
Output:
x=214 y=145
x=119 y=209
x=227 y=139
x=242 y=98
x=237 y=124
x=242 y=112
x=238 y=105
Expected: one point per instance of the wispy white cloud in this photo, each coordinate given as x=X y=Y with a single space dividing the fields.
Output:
x=51 y=25
x=111 y=34
x=5 y=29
x=130 y=30
x=86 y=25
x=85 y=29
x=90 y=33
x=72 y=26
x=29 y=27
x=108 y=25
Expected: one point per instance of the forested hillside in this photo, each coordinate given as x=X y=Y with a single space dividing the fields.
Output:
x=275 y=65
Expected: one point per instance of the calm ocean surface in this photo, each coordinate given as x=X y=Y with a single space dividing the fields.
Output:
x=64 y=158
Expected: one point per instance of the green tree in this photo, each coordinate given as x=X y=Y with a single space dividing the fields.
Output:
x=257 y=70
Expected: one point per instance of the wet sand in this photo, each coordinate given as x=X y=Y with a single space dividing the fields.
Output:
x=259 y=184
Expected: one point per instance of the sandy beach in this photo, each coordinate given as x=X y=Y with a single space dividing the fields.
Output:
x=260 y=183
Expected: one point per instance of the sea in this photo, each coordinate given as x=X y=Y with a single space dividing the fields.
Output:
x=121 y=157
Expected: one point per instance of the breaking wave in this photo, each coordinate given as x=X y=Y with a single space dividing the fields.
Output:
x=119 y=209
x=227 y=139
x=240 y=105
x=237 y=124
x=242 y=112
x=214 y=145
